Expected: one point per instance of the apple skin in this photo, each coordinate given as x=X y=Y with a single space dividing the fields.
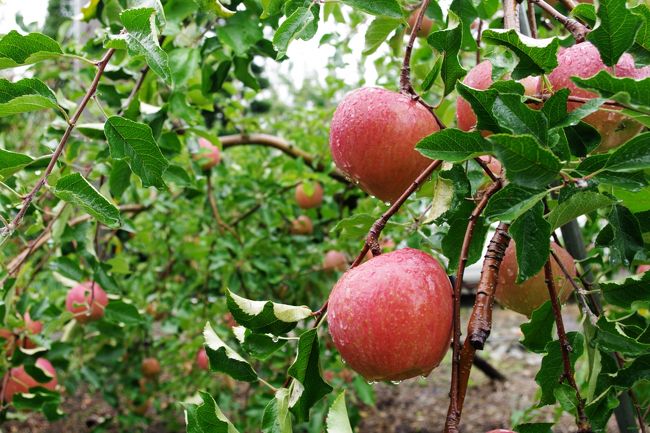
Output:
x=643 y=269
x=20 y=381
x=78 y=299
x=583 y=60
x=480 y=77
x=382 y=312
x=493 y=164
x=150 y=367
x=524 y=298
x=425 y=25
x=208 y=155
x=335 y=261
x=202 y=360
x=302 y=226
x=373 y=136
x=309 y=201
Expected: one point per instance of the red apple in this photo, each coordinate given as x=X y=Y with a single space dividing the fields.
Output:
x=480 y=77
x=373 y=136
x=20 y=381
x=643 y=269
x=583 y=60
x=202 y=360
x=150 y=367
x=208 y=155
x=33 y=327
x=532 y=293
x=302 y=226
x=78 y=302
x=391 y=317
x=493 y=164
x=425 y=25
x=307 y=201
x=335 y=261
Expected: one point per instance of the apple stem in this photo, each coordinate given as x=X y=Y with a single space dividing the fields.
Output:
x=455 y=402
x=565 y=348
x=578 y=30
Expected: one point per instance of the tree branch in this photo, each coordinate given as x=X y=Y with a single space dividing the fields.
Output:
x=510 y=15
x=578 y=30
x=405 y=75
x=532 y=20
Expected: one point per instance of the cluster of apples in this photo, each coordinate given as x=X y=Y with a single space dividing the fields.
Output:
x=381 y=311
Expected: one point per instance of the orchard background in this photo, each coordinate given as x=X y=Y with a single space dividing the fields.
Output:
x=178 y=198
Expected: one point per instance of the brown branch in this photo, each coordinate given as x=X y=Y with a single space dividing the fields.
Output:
x=27 y=200
x=282 y=145
x=578 y=30
x=486 y=169
x=453 y=414
x=510 y=15
x=565 y=349
x=532 y=20
x=582 y=300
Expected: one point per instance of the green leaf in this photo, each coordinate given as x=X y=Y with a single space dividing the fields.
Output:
x=259 y=346
x=28 y=94
x=515 y=116
x=452 y=196
x=566 y=396
x=525 y=161
x=337 y=416
x=225 y=360
x=538 y=331
x=309 y=387
x=354 y=227
x=622 y=235
x=639 y=369
x=240 y=33
x=531 y=234
x=448 y=44
x=453 y=241
x=276 y=418
x=537 y=427
x=121 y=312
x=19 y=50
x=184 y=62
x=378 y=31
x=453 y=145
x=214 y=7
x=615 y=30
x=120 y=178
x=536 y=56
x=134 y=142
x=611 y=338
x=12 y=162
x=481 y=102
x=628 y=91
x=641 y=48
x=551 y=370
x=633 y=155
x=74 y=189
x=271 y=8
x=555 y=109
x=207 y=417
x=265 y=316
x=585 y=12
x=142 y=40
x=634 y=292
x=386 y=8
x=511 y=202
x=291 y=28
x=578 y=204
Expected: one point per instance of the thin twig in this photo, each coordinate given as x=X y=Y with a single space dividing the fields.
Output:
x=486 y=169
x=578 y=30
x=565 y=349
x=532 y=19
x=579 y=291
x=479 y=32
x=27 y=200
x=136 y=88
x=221 y=224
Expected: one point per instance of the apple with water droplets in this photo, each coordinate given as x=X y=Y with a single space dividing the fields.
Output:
x=373 y=136
x=391 y=317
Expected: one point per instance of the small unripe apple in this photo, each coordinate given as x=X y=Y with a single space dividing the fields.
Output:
x=373 y=136
x=425 y=25
x=20 y=381
x=480 y=77
x=208 y=155
x=391 y=317
x=335 y=261
x=302 y=226
x=202 y=360
x=308 y=201
x=583 y=60
x=79 y=299
x=150 y=367
x=524 y=298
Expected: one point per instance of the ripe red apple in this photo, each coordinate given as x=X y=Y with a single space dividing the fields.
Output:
x=391 y=317
x=307 y=201
x=335 y=261
x=532 y=293
x=583 y=60
x=373 y=136
x=150 y=367
x=425 y=25
x=78 y=302
x=302 y=226
x=33 y=327
x=202 y=360
x=20 y=381
x=480 y=77
x=208 y=155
